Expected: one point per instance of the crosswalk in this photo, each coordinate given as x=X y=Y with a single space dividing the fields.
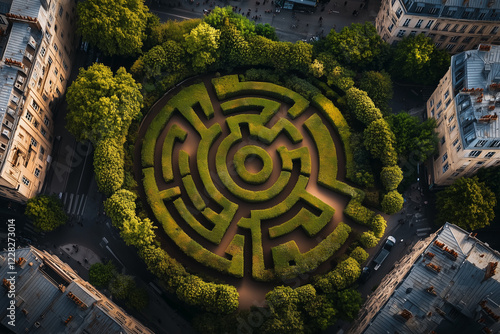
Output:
x=74 y=204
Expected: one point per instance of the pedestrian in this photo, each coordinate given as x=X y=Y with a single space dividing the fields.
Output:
x=345 y=3
x=362 y=5
x=321 y=18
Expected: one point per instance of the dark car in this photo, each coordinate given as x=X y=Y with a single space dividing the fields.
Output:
x=365 y=273
x=384 y=252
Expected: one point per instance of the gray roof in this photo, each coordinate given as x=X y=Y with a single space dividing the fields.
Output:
x=47 y=304
x=460 y=286
x=495 y=4
x=481 y=69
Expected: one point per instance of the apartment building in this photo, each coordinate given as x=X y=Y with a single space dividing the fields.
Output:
x=448 y=283
x=453 y=25
x=36 y=47
x=465 y=108
x=50 y=297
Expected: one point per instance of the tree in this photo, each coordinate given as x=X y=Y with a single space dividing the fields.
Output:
x=121 y=286
x=202 y=44
x=491 y=177
x=46 y=212
x=138 y=232
x=120 y=206
x=362 y=106
x=368 y=239
x=392 y=202
x=108 y=165
x=138 y=299
x=348 y=302
x=100 y=274
x=345 y=274
x=467 y=203
x=391 y=177
x=220 y=15
x=234 y=49
x=154 y=61
x=417 y=60
x=415 y=140
x=359 y=254
x=116 y=27
x=358 y=46
x=285 y=316
x=378 y=225
x=378 y=86
x=102 y=105
x=379 y=140
x=266 y=30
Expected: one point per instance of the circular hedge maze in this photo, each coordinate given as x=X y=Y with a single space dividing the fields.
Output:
x=224 y=171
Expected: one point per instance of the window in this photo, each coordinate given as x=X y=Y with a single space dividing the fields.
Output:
x=436 y=26
x=393 y=2
x=495 y=143
x=37 y=172
x=46 y=120
x=452 y=128
x=455 y=27
x=60 y=11
x=445 y=156
x=489 y=154
x=474 y=154
x=481 y=30
x=399 y=12
x=447 y=103
x=455 y=142
x=56 y=71
x=481 y=143
x=494 y=30
x=473 y=29
x=391 y=27
x=44 y=97
x=35 y=124
x=58 y=91
x=446 y=27
x=419 y=23
x=407 y=22
x=429 y=24
x=42 y=150
x=464 y=27
x=43 y=132
x=442 y=38
x=413 y=33
x=26 y=181
x=29 y=116
x=451 y=118
x=35 y=105
x=419 y=9
x=433 y=10
x=446 y=94
x=439 y=105
x=42 y=51
x=466 y=15
x=61 y=78
x=432 y=112
x=459 y=147
x=481 y=16
x=443 y=140
x=34 y=143
x=451 y=12
x=461 y=48
x=55 y=47
x=401 y=33
x=446 y=167
x=65 y=65
x=49 y=60
x=431 y=103
x=454 y=39
x=55 y=28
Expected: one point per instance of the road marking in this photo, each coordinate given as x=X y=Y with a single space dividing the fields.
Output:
x=76 y=204
x=80 y=212
x=70 y=203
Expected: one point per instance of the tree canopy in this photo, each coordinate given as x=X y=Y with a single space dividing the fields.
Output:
x=358 y=45
x=417 y=60
x=467 y=203
x=415 y=140
x=46 y=212
x=378 y=86
x=116 y=27
x=100 y=274
x=202 y=44
x=102 y=105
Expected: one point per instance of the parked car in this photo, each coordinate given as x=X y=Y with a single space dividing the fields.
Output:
x=365 y=273
x=384 y=252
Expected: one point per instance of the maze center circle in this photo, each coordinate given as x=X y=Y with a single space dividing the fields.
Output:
x=253 y=164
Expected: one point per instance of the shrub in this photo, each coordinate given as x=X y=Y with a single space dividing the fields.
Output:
x=378 y=225
x=369 y=240
x=391 y=177
x=345 y=274
x=379 y=140
x=359 y=254
x=46 y=212
x=108 y=165
x=392 y=202
x=362 y=106
x=359 y=213
x=100 y=274
x=175 y=133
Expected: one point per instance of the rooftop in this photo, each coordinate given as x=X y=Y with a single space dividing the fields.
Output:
x=454 y=282
x=476 y=83
x=51 y=298
x=486 y=4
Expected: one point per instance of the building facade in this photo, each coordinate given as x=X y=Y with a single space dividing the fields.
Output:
x=453 y=25
x=36 y=46
x=49 y=297
x=465 y=108
x=448 y=283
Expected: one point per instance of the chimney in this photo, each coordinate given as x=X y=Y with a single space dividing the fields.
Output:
x=490 y=270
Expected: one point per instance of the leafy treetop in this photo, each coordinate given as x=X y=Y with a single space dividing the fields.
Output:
x=46 y=212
